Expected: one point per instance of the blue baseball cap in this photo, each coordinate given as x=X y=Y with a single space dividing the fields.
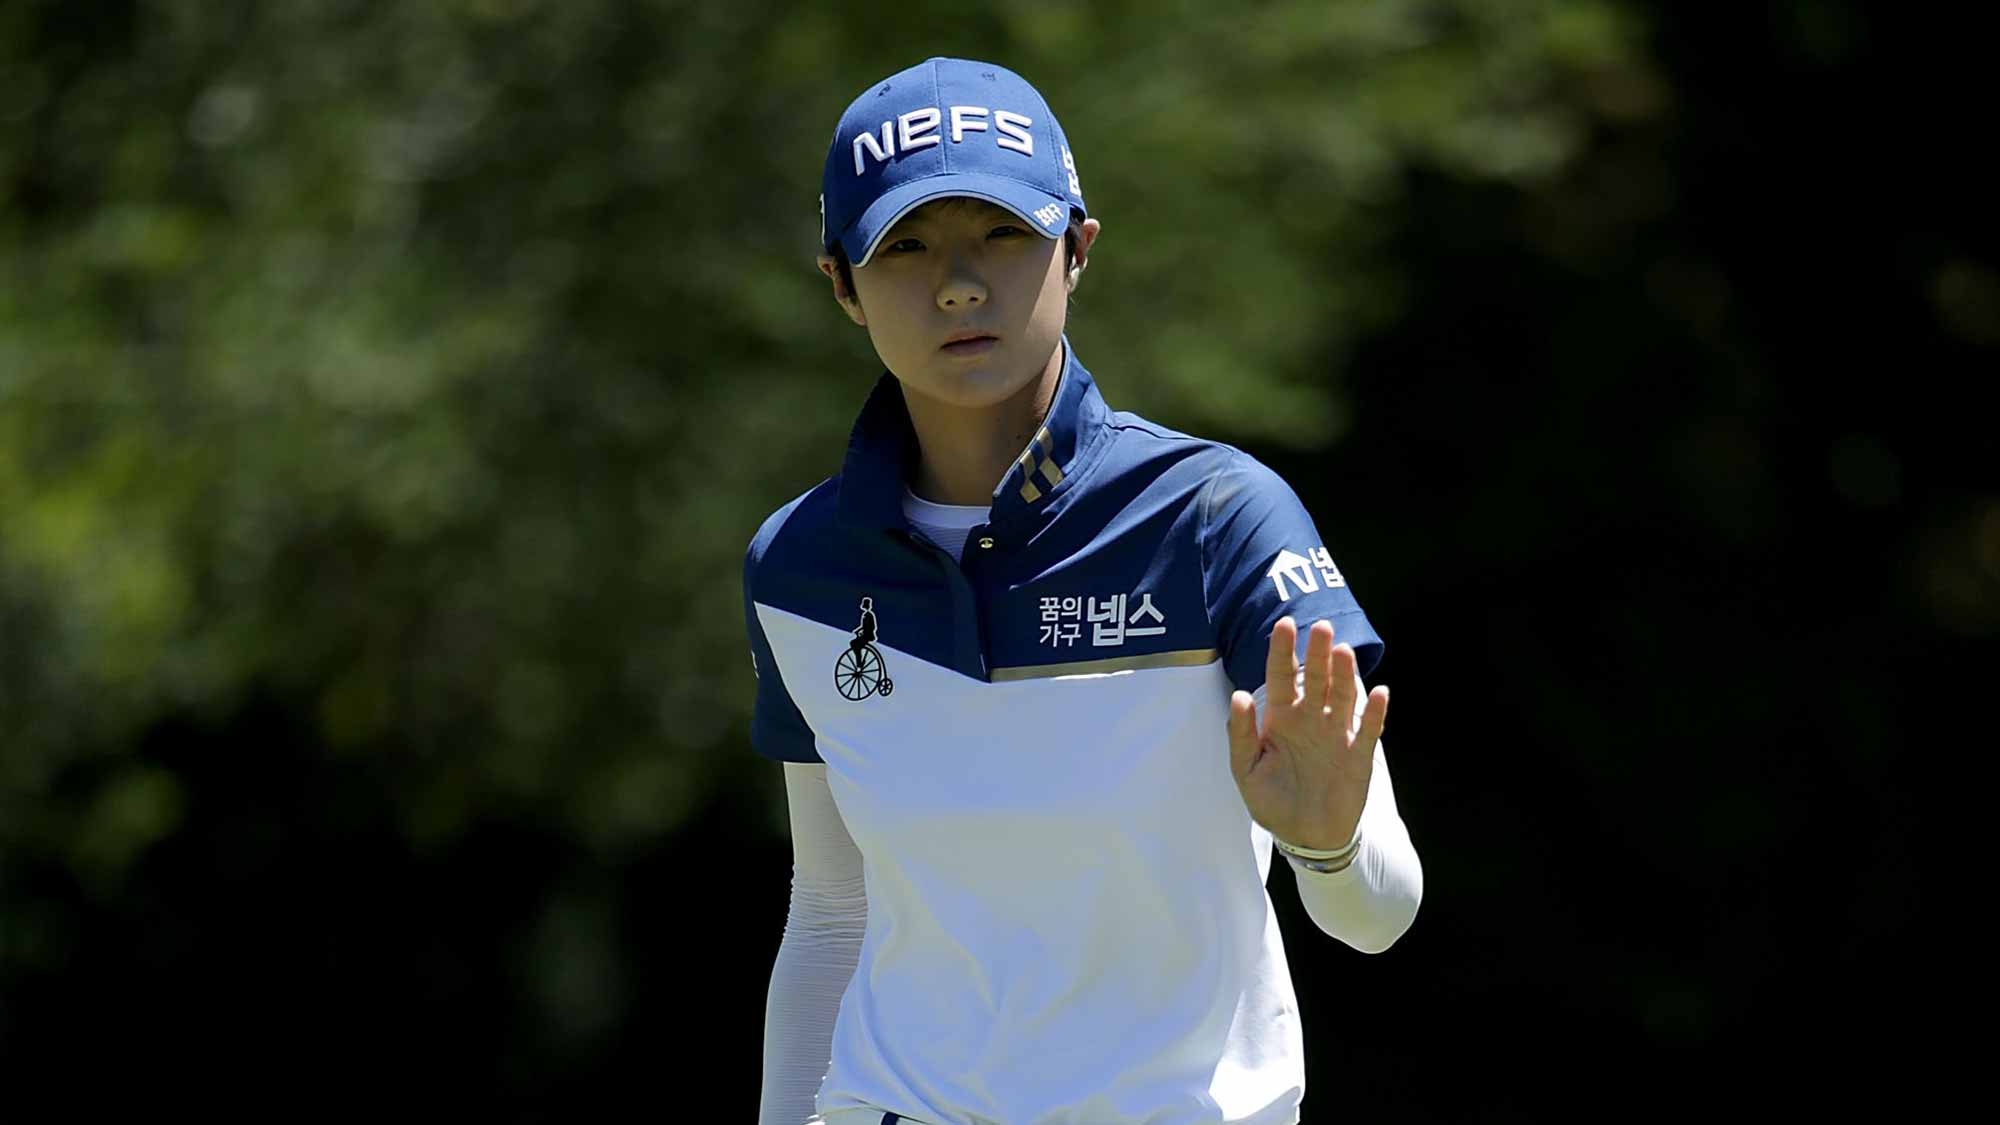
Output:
x=945 y=127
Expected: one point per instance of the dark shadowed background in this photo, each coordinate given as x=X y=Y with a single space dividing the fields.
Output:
x=388 y=392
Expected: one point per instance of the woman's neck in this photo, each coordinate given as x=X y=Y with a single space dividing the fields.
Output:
x=966 y=451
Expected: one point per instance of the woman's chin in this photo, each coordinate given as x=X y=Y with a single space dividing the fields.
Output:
x=970 y=386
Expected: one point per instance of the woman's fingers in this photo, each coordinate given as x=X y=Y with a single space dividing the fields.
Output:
x=1243 y=738
x=1373 y=718
x=1330 y=688
x=1319 y=667
x=1346 y=676
x=1281 y=669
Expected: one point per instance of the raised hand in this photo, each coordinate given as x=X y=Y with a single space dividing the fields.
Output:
x=1305 y=775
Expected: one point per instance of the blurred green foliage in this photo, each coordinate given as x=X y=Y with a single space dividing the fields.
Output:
x=429 y=365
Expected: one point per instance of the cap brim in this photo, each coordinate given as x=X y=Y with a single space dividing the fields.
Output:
x=1022 y=199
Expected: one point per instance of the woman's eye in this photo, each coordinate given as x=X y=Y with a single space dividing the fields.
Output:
x=905 y=245
x=1006 y=230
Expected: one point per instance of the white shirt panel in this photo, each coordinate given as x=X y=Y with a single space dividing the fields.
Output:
x=1050 y=862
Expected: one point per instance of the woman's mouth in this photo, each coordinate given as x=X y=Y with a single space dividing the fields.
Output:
x=976 y=345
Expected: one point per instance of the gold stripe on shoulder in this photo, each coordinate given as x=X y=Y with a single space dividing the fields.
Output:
x=1047 y=440
x=1180 y=658
x=1052 y=472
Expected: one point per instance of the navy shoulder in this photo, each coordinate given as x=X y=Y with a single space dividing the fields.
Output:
x=1135 y=425
x=1264 y=558
x=777 y=729
x=805 y=515
x=1238 y=481
x=1231 y=478
x=1142 y=441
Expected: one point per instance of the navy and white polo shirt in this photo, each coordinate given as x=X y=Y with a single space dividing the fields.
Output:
x=1067 y=915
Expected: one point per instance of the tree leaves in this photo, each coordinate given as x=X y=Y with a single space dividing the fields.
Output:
x=430 y=365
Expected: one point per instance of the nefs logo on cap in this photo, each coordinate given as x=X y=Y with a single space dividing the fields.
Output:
x=918 y=129
x=945 y=127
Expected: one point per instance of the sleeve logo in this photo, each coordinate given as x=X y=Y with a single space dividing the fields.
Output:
x=1300 y=571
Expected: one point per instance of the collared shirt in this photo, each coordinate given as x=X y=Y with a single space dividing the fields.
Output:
x=1067 y=914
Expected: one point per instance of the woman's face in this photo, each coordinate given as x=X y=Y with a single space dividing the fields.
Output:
x=958 y=265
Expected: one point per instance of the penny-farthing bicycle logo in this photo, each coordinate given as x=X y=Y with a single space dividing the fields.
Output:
x=859 y=672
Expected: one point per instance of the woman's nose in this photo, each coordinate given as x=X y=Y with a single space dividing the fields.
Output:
x=961 y=290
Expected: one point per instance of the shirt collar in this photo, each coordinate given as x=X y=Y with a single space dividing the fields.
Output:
x=882 y=453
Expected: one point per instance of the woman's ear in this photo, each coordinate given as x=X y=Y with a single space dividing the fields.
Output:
x=849 y=303
x=1086 y=233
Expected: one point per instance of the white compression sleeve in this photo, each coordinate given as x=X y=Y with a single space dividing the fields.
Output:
x=1369 y=903
x=816 y=958
x=1372 y=901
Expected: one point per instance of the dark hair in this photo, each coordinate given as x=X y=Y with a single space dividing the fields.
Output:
x=847 y=273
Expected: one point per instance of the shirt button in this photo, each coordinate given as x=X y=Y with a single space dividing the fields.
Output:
x=986 y=541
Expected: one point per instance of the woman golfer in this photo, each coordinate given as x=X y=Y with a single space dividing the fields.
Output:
x=1029 y=882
